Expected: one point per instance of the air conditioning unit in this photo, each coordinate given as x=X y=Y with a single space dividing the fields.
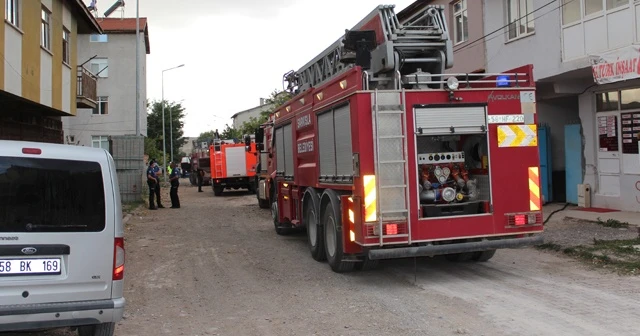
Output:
x=584 y=195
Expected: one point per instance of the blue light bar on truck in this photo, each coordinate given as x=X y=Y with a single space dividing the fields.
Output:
x=502 y=81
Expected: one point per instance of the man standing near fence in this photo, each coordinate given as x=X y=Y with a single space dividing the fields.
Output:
x=156 y=169
x=152 y=182
x=174 y=178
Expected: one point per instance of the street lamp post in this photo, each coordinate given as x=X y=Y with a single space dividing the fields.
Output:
x=164 y=138
x=171 y=128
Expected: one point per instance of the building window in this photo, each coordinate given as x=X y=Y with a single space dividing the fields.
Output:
x=12 y=12
x=98 y=38
x=66 y=36
x=630 y=100
x=103 y=106
x=592 y=6
x=612 y=4
x=607 y=101
x=570 y=11
x=618 y=117
x=45 y=29
x=99 y=67
x=520 y=21
x=460 y=29
x=100 y=141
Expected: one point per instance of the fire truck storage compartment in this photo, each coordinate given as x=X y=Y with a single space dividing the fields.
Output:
x=236 y=161
x=284 y=151
x=334 y=142
x=453 y=159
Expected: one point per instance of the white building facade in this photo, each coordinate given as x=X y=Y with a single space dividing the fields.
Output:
x=115 y=66
x=586 y=61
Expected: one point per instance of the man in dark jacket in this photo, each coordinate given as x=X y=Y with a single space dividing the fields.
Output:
x=174 y=178
x=156 y=168
x=152 y=182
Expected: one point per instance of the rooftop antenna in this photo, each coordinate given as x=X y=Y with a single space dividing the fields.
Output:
x=116 y=5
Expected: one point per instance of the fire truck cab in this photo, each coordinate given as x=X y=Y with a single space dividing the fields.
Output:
x=382 y=155
x=233 y=165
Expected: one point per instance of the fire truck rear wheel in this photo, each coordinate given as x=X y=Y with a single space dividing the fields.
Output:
x=459 y=257
x=315 y=234
x=274 y=215
x=218 y=191
x=332 y=224
x=483 y=255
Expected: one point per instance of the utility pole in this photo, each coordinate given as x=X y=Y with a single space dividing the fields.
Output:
x=164 y=137
x=138 y=68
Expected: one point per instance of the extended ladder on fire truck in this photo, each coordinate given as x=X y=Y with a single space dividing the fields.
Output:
x=420 y=42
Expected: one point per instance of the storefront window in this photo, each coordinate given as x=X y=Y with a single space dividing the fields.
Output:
x=607 y=101
x=630 y=99
x=608 y=133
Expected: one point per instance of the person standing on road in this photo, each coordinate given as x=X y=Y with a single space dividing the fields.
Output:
x=152 y=182
x=174 y=178
x=200 y=179
x=157 y=170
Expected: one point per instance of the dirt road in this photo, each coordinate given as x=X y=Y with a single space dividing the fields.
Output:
x=216 y=267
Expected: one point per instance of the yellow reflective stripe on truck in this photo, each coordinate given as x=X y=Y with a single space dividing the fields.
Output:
x=534 y=189
x=517 y=135
x=370 y=198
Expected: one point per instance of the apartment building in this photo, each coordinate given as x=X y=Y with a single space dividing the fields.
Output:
x=241 y=117
x=41 y=75
x=112 y=58
x=466 y=29
x=585 y=55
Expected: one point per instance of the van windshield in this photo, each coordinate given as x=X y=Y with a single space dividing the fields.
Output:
x=47 y=195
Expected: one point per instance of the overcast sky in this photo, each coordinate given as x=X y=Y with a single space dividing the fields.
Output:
x=235 y=52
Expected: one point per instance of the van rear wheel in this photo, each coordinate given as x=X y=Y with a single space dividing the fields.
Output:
x=104 y=329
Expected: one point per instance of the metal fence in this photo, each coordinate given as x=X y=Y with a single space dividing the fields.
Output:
x=128 y=154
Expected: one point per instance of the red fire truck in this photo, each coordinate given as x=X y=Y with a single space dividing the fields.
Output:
x=233 y=165
x=382 y=155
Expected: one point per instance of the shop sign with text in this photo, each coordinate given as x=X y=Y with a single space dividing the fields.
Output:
x=617 y=65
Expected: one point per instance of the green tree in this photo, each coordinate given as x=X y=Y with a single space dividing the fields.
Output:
x=205 y=136
x=231 y=133
x=151 y=149
x=174 y=114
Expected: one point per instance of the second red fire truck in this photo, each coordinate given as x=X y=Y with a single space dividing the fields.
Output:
x=382 y=155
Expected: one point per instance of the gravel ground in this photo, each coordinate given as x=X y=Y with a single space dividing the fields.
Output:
x=571 y=232
x=216 y=267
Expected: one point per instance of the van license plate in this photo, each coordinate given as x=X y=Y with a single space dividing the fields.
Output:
x=30 y=266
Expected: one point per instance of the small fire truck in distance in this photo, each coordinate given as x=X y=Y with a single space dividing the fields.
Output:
x=200 y=162
x=382 y=155
x=233 y=165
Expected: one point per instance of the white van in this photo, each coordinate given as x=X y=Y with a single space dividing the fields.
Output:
x=61 y=238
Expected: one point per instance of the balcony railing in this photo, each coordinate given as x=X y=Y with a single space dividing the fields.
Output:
x=87 y=94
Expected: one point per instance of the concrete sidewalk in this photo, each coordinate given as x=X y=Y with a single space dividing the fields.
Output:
x=572 y=211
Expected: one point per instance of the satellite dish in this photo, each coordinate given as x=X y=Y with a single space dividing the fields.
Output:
x=116 y=5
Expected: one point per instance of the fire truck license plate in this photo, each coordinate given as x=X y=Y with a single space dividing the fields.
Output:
x=30 y=266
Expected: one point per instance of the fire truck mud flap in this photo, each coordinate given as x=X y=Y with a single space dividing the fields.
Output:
x=433 y=250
